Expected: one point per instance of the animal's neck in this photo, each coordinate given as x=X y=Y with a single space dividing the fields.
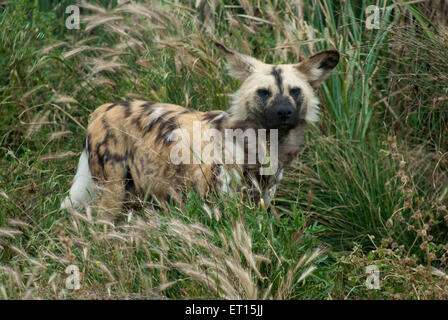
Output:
x=236 y=120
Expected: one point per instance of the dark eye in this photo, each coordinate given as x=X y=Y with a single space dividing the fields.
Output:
x=263 y=93
x=295 y=92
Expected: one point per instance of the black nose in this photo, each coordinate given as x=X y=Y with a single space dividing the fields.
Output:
x=284 y=112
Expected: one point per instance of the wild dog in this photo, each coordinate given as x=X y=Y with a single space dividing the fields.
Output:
x=129 y=144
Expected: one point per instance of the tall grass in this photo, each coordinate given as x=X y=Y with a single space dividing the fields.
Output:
x=369 y=188
x=349 y=91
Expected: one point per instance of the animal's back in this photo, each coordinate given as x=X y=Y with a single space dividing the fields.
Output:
x=130 y=143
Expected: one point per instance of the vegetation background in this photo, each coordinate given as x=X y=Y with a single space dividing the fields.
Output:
x=371 y=187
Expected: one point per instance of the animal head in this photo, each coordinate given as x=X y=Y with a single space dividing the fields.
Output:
x=277 y=96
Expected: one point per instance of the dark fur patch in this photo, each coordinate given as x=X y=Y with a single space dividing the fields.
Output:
x=180 y=170
x=218 y=123
x=148 y=105
x=137 y=121
x=209 y=116
x=130 y=153
x=107 y=155
x=277 y=73
x=148 y=127
x=89 y=144
x=298 y=100
x=127 y=108
x=110 y=137
x=151 y=124
x=129 y=181
x=166 y=114
x=187 y=111
x=113 y=105
x=102 y=151
x=166 y=126
x=214 y=118
x=109 y=134
x=256 y=117
x=112 y=157
x=100 y=154
x=224 y=48
x=330 y=62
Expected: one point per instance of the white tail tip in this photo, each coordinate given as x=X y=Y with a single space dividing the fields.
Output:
x=83 y=188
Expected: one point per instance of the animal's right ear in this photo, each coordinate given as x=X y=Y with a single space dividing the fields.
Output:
x=240 y=65
x=318 y=67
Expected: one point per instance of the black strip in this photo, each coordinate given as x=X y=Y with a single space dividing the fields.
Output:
x=276 y=72
x=127 y=108
x=99 y=156
x=129 y=181
x=160 y=119
x=166 y=126
x=187 y=111
x=209 y=116
x=111 y=107
x=109 y=134
x=149 y=126
x=136 y=121
x=218 y=123
x=147 y=106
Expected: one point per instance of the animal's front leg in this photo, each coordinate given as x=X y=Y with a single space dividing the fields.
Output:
x=112 y=189
x=271 y=188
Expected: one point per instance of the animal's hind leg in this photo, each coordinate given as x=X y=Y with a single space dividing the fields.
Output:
x=112 y=188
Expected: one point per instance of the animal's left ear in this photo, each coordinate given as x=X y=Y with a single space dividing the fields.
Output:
x=240 y=65
x=317 y=68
